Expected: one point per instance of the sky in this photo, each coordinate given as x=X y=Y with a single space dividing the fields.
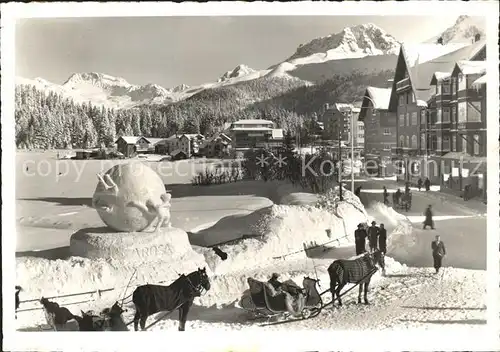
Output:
x=170 y=51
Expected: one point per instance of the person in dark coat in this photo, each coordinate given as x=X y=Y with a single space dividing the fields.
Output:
x=360 y=239
x=398 y=195
x=438 y=252
x=373 y=236
x=419 y=184
x=18 y=302
x=407 y=188
x=382 y=239
x=275 y=282
x=427 y=184
x=386 y=195
x=357 y=192
x=428 y=218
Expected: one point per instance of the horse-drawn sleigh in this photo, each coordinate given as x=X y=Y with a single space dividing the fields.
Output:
x=292 y=302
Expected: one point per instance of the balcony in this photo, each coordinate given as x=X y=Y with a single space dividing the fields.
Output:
x=403 y=84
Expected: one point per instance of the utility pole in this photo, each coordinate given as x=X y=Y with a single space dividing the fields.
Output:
x=340 y=161
x=351 y=115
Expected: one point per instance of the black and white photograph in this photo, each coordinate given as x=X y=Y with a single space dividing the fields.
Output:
x=271 y=173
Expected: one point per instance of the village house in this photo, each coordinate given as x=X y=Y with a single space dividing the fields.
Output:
x=182 y=146
x=219 y=145
x=380 y=130
x=337 y=122
x=132 y=145
x=420 y=130
x=249 y=134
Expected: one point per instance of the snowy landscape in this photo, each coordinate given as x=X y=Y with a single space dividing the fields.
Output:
x=261 y=226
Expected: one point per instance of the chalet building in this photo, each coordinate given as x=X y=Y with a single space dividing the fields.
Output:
x=187 y=143
x=249 y=134
x=219 y=145
x=461 y=140
x=132 y=145
x=360 y=134
x=420 y=129
x=380 y=130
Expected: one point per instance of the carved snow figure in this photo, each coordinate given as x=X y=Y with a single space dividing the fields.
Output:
x=131 y=184
x=161 y=211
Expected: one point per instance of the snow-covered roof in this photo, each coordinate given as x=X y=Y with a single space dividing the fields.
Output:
x=439 y=77
x=192 y=135
x=421 y=103
x=251 y=129
x=129 y=139
x=422 y=52
x=480 y=81
x=177 y=151
x=470 y=67
x=252 y=122
x=343 y=106
x=379 y=97
x=277 y=133
x=155 y=141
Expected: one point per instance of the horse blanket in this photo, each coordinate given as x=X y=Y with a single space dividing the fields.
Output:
x=353 y=270
x=157 y=298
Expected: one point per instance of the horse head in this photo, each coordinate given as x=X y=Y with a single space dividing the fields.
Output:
x=376 y=259
x=204 y=281
x=116 y=309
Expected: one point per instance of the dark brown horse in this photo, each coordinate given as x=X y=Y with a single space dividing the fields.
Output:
x=151 y=299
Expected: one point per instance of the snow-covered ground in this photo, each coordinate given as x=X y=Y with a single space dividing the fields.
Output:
x=49 y=209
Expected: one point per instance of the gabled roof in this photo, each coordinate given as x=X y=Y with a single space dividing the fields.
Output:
x=422 y=52
x=469 y=67
x=253 y=122
x=480 y=81
x=155 y=141
x=128 y=139
x=439 y=77
x=378 y=97
x=420 y=75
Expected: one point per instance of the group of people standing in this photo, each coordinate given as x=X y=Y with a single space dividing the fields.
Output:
x=376 y=235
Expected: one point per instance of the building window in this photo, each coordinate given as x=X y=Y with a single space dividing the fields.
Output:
x=422 y=117
x=464 y=143
x=438 y=115
x=387 y=131
x=438 y=88
x=453 y=114
x=439 y=143
x=407 y=98
x=401 y=120
x=412 y=97
x=407 y=144
x=446 y=114
x=453 y=85
x=453 y=143
x=387 y=147
x=462 y=111
x=446 y=143
x=462 y=84
x=401 y=99
x=414 y=118
x=446 y=87
x=414 y=141
x=476 y=144
x=422 y=141
x=407 y=119
x=401 y=141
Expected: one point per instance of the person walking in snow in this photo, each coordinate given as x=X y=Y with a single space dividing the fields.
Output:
x=386 y=196
x=427 y=184
x=438 y=252
x=382 y=239
x=373 y=236
x=428 y=218
x=360 y=239
x=419 y=184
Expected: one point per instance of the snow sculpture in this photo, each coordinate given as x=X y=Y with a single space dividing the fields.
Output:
x=130 y=197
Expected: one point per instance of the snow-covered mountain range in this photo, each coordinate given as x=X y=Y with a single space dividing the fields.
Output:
x=362 y=47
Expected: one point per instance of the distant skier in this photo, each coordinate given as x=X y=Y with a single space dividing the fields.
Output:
x=419 y=184
x=438 y=252
x=428 y=218
x=360 y=239
x=373 y=236
x=386 y=196
x=427 y=184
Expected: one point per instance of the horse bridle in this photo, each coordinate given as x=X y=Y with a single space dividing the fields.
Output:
x=199 y=288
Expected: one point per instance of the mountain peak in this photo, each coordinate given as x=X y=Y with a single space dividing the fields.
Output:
x=464 y=30
x=240 y=70
x=97 y=79
x=180 y=88
x=356 y=41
